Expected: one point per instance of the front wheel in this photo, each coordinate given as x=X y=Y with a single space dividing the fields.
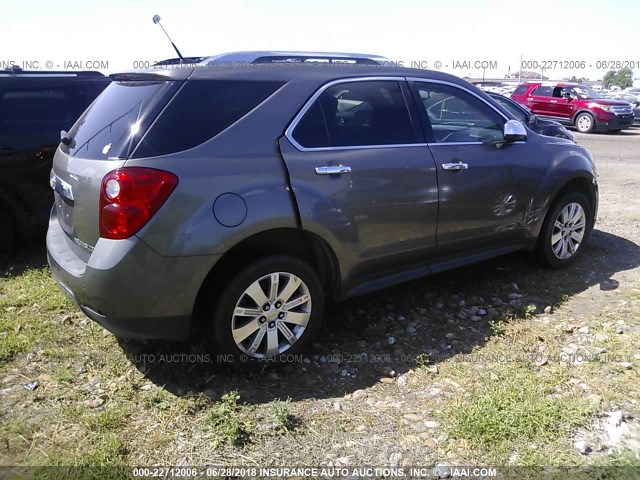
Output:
x=585 y=123
x=565 y=230
x=269 y=310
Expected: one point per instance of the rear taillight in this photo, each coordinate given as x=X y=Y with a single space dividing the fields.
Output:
x=129 y=197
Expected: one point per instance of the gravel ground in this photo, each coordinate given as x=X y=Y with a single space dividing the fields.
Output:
x=389 y=381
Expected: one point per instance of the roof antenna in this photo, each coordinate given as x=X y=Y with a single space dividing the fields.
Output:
x=156 y=20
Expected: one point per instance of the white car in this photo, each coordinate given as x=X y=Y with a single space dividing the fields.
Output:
x=625 y=96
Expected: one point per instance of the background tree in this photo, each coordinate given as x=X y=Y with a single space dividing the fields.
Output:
x=574 y=79
x=622 y=78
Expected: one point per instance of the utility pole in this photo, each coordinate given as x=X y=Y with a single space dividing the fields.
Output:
x=520 y=70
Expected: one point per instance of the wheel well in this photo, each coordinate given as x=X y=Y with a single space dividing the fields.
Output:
x=581 y=185
x=285 y=241
x=573 y=120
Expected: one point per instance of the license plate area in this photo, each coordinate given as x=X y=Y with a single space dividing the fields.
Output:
x=61 y=187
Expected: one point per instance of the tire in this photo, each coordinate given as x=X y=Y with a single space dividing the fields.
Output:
x=566 y=228
x=585 y=123
x=7 y=232
x=257 y=334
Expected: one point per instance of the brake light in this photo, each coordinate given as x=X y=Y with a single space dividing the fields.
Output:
x=129 y=197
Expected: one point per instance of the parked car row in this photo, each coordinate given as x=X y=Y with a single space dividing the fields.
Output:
x=232 y=203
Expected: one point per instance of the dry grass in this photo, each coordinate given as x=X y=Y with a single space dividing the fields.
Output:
x=97 y=407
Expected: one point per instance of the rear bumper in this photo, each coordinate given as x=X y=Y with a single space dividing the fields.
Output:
x=617 y=123
x=126 y=287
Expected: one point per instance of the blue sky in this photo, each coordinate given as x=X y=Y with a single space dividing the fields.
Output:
x=450 y=32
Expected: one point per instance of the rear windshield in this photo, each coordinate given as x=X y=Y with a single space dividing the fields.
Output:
x=114 y=124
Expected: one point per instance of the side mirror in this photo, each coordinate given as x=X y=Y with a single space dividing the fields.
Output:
x=532 y=118
x=514 y=131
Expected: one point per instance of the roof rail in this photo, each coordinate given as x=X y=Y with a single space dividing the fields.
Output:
x=15 y=70
x=261 y=56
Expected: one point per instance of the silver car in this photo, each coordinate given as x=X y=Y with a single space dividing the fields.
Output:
x=232 y=201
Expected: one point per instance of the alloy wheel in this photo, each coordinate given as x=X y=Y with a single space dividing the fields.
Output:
x=271 y=315
x=568 y=231
x=584 y=123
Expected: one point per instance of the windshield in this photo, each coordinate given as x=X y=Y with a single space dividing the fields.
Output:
x=516 y=111
x=586 y=93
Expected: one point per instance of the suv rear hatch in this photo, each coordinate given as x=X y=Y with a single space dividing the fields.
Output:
x=140 y=116
x=101 y=140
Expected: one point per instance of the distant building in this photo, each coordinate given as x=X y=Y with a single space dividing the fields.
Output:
x=528 y=75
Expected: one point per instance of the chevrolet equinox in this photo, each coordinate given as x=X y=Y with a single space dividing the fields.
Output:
x=237 y=199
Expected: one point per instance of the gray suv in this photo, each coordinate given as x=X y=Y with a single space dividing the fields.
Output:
x=235 y=200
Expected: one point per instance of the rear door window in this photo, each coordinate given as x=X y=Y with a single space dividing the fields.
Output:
x=543 y=91
x=352 y=114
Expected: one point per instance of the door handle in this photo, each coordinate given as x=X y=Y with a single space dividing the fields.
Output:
x=553 y=101
x=333 y=170
x=455 y=167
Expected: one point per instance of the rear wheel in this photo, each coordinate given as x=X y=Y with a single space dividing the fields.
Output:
x=269 y=310
x=565 y=230
x=585 y=123
x=7 y=232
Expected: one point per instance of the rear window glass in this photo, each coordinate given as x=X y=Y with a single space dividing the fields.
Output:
x=41 y=111
x=201 y=110
x=118 y=118
x=312 y=131
x=520 y=90
x=356 y=114
x=543 y=91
